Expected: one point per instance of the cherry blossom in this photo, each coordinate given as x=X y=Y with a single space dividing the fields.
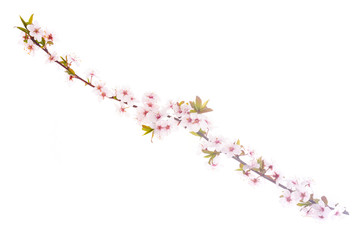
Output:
x=91 y=74
x=231 y=149
x=122 y=108
x=194 y=122
x=150 y=97
x=321 y=211
x=180 y=110
x=254 y=181
x=142 y=114
x=253 y=164
x=287 y=198
x=35 y=32
x=163 y=128
x=30 y=47
x=48 y=36
x=125 y=95
x=156 y=115
x=52 y=57
x=216 y=142
x=302 y=194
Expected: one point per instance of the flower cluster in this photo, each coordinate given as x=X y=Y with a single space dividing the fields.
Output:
x=34 y=35
x=160 y=120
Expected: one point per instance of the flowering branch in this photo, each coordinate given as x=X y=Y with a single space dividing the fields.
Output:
x=161 y=121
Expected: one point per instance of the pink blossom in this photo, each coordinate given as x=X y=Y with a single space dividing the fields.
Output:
x=301 y=194
x=72 y=58
x=293 y=184
x=194 y=122
x=231 y=149
x=163 y=128
x=30 y=47
x=91 y=74
x=150 y=97
x=287 y=198
x=142 y=114
x=254 y=181
x=36 y=32
x=250 y=152
x=48 y=36
x=52 y=57
x=182 y=110
x=321 y=210
x=150 y=105
x=104 y=93
x=125 y=95
x=253 y=164
x=216 y=143
x=277 y=177
x=156 y=115
x=98 y=86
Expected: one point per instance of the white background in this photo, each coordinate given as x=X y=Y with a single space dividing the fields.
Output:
x=283 y=76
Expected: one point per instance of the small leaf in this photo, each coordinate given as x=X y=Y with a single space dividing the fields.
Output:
x=42 y=42
x=207 y=151
x=24 y=30
x=205 y=110
x=204 y=105
x=31 y=19
x=194 y=133
x=147 y=130
x=324 y=199
x=192 y=104
x=198 y=103
x=24 y=23
x=71 y=71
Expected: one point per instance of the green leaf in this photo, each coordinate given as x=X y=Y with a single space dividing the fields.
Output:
x=24 y=30
x=204 y=105
x=31 y=19
x=304 y=204
x=205 y=110
x=71 y=71
x=192 y=104
x=196 y=134
x=24 y=23
x=198 y=103
x=42 y=42
x=207 y=151
x=147 y=130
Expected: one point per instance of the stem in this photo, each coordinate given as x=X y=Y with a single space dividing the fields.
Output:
x=235 y=157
